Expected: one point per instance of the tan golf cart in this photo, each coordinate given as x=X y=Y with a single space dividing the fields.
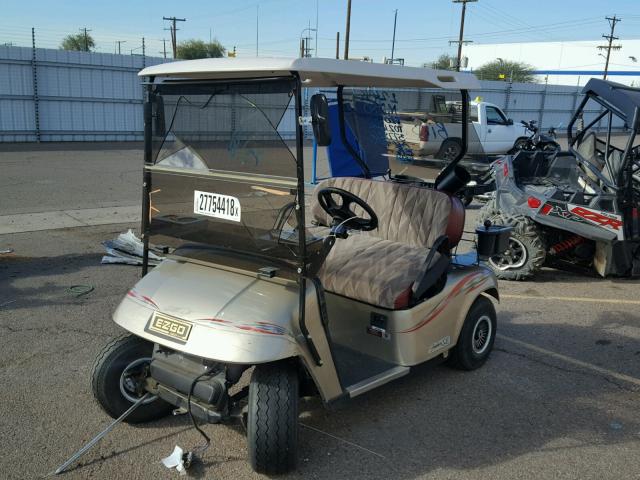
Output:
x=332 y=290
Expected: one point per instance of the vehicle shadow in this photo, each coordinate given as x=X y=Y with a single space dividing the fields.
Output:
x=18 y=288
x=521 y=402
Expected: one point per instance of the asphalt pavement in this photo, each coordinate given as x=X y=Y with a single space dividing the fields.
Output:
x=558 y=398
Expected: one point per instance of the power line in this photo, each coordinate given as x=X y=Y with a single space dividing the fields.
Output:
x=461 y=41
x=612 y=23
x=173 y=30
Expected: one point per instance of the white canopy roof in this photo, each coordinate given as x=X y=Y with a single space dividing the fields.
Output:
x=315 y=72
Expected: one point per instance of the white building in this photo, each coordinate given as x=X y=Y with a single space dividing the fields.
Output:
x=565 y=63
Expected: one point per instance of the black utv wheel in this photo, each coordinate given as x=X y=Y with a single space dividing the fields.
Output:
x=526 y=253
x=272 y=424
x=476 y=336
x=488 y=210
x=115 y=379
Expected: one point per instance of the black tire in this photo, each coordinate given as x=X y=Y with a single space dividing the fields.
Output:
x=272 y=424
x=105 y=380
x=472 y=350
x=488 y=210
x=520 y=144
x=449 y=150
x=527 y=252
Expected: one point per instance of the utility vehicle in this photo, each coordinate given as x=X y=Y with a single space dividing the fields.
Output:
x=577 y=208
x=537 y=140
x=331 y=292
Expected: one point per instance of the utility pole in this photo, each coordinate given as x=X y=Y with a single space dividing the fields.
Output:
x=461 y=41
x=612 y=23
x=118 y=43
x=337 y=45
x=302 y=48
x=393 y=42
x=346 y=34
x=173 y=29
x=317 y=12
x=164 y=48
x=86 y=38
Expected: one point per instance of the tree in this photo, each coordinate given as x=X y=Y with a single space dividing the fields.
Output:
x=190 y=49
x=505 y=70
x=78 y=42
x=445 y=62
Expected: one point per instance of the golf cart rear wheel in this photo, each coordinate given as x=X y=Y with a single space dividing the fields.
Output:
x=476 y=338
x=272 y=430
x=526 y=253
x=117 y=373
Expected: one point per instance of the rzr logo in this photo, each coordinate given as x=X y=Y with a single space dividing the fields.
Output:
x=595 y=217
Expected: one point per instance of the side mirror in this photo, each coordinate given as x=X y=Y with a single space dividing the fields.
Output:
x=320 y=119
x=509 y=121
x=159 y=128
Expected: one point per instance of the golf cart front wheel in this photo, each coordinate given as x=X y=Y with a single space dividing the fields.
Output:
x=116 y=380
x=272 y=423
x=476 y=338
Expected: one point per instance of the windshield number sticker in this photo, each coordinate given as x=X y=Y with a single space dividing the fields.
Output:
x=216 y=205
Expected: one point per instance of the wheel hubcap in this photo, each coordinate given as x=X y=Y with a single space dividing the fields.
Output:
x=514 y=257
x=482 y=335
x=130 y=380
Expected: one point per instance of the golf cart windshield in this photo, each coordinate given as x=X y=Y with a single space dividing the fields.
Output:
x=223 y=175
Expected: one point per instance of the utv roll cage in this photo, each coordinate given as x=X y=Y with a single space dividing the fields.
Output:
x=623 y=102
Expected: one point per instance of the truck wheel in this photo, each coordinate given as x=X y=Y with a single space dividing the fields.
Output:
x=117 y=372
x=526 y=253
x=449 y=150
x=272 y=428
x=476 y=338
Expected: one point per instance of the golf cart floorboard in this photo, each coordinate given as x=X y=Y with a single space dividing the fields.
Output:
x=360 y=373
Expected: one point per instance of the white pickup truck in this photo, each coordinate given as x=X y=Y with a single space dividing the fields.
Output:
x=439 y=134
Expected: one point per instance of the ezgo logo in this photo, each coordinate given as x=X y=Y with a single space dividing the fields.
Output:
x=171 y=327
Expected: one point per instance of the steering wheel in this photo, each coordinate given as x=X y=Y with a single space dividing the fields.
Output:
x=342 y=213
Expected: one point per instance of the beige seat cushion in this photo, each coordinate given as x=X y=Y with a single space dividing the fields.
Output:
x=407 y=214
x=372 y=270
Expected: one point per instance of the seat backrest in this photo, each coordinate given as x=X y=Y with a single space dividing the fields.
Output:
x=588 y=151
x=407 y=214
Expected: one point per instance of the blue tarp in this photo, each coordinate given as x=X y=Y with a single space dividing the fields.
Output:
x=367 y=121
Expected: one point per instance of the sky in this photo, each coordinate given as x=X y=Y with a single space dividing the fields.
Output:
x=424 y=27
